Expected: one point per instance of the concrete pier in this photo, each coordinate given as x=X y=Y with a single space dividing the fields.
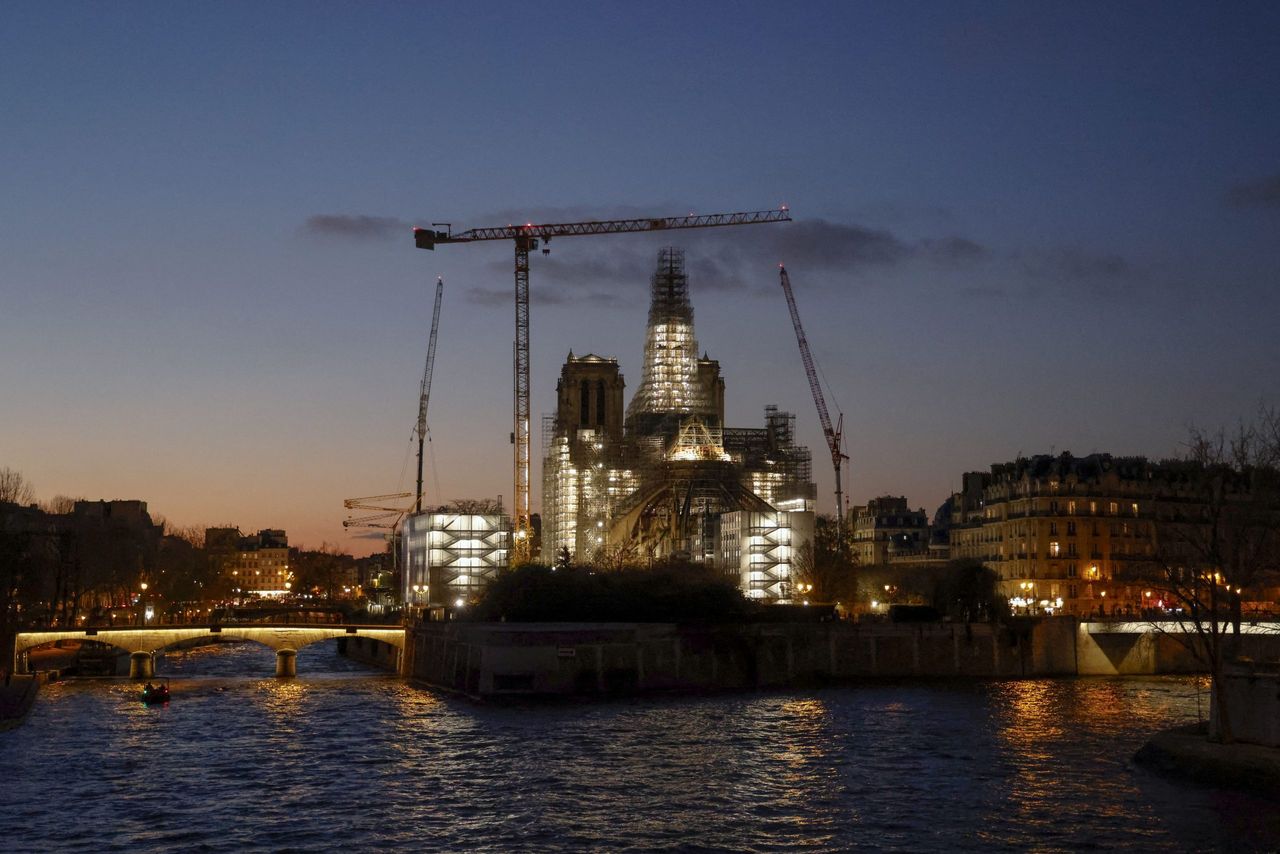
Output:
x=286 y=662
x=142 y=665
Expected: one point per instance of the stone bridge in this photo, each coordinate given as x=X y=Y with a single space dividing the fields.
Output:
x=143 y=642
x=1140 y=647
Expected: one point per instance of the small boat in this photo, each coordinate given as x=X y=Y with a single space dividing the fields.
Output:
x=156 y=693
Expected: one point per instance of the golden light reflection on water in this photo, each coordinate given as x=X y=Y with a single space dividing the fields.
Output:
x=282 y=698
x=1036 y=721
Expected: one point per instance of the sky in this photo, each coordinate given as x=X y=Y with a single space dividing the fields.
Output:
x=1018 y=228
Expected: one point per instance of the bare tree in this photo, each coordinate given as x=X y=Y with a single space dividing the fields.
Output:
x=14 y=488
x=613 y=558
x=825 y=568
x=59 y=505
x=1219 y=540
x=478 y=506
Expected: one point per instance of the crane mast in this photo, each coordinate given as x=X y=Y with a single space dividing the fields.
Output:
x=526 y=239
x=425 y=391
x=833 y=434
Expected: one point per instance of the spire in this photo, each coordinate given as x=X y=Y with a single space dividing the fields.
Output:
x=669 y=381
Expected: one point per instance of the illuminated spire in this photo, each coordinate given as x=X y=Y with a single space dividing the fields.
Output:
x=669 y=382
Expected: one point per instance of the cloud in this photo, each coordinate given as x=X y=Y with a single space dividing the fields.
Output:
x=615 y=270
x=1259 y=193
x=953 y=251
x=611 y=271
x=504 y=297
x=984 y=291
x=356 y=227
x=368 y=535
x=1072 y=263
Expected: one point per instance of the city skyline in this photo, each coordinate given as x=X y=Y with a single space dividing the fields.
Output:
x=1019 y=229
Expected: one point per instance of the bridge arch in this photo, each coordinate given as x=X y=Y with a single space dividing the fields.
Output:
x=145 y=642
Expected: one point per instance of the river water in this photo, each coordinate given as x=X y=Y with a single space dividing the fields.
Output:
x=344 y=758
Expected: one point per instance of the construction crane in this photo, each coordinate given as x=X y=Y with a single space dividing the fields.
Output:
x=834 y=435
x=425 y=393
x=526 y=239
x=385 y=517
x=389 y=517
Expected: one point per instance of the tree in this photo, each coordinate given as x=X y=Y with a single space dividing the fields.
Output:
x=14 y=488
x=617 y=557
x=968 y=590
x=322 y=571
x=59 y=505
x=825 y=568
x=1220 y=539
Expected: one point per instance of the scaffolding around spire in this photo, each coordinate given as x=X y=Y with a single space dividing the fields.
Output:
x=670 y=383
x=669 y=479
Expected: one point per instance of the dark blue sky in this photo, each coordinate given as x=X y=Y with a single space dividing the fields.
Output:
x=1020 y=228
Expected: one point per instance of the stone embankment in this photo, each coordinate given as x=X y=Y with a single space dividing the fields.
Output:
x=1187 y=753
x=493 y=660
x=17 y=696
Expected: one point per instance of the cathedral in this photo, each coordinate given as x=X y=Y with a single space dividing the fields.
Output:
x=666 y=478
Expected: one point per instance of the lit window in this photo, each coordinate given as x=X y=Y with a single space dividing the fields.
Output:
x=1071 y=507
x=1054 y=549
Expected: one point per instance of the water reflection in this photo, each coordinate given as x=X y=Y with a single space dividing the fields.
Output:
x=342 y=759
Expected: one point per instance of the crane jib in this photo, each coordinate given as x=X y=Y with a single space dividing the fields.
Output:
x=425 y=238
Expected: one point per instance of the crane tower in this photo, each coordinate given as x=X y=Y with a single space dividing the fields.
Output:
x=526 y=239
x=833 y=435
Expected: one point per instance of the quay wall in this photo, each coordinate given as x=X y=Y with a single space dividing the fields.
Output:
x=490 y=660
x=370 y=651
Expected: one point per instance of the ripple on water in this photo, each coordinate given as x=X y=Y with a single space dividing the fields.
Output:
x=345 y=758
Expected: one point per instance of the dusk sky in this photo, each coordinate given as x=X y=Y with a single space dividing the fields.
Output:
x=1020 y=228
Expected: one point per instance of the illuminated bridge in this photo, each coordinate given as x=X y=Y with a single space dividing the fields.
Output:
x=143 y=642
x=1139 y=647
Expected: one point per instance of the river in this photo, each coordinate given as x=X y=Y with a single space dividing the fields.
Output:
x=344 y=758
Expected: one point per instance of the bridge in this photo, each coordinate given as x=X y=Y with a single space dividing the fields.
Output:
x=143 y=642
x=1144 y=647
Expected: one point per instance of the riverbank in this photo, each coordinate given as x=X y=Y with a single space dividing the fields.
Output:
x=1187 y=753
x=17 y=696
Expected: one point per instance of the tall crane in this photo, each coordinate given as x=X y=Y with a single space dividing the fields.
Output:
x=526 y=239
x=834 y=435
x=425 y=393
x=384 y=516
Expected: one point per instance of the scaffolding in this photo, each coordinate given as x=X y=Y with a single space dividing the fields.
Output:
x=670 y=383
x=665 y=485
x=451 y=556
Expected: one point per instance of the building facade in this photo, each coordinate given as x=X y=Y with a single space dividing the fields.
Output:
x=885 y=529
x=1068 y=534
x=254 y=565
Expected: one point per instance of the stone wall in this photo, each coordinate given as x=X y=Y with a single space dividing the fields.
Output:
x=370 y=651
x=499 y=659
x=1253 y=703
